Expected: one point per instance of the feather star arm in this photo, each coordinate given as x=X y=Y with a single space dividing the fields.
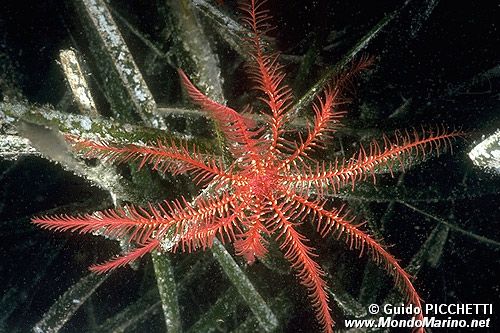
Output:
x=235 y=126
x=125 y=259
x=145 y=227
x=251 y=243
x=330 y=222
x=162 y=156
x=400 y=151
x=265 y=69
x=225 y=226
x=326 y=115
x=308 y=271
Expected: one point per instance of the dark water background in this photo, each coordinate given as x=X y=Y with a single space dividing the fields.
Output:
x=438 y=64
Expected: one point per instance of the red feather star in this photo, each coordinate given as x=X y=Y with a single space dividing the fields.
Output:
x=271 y=188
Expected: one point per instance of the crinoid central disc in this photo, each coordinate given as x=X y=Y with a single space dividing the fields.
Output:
x=261 y=184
